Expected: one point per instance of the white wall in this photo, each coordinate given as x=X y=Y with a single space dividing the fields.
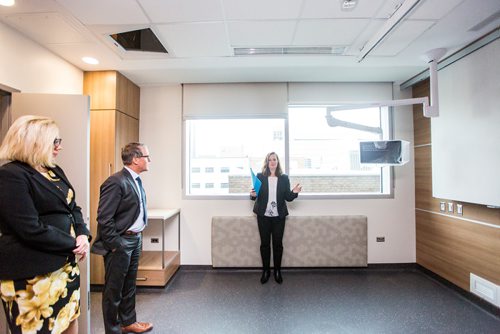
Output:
x=161 y=129
x=30 y=68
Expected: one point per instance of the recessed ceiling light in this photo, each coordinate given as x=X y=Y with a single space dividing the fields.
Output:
x=7 y=3
x=90 y=60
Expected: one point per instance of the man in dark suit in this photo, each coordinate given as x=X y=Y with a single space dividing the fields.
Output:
x=121 y=217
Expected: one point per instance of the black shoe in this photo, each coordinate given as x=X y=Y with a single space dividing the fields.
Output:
x=277 y=276
x=265 y=276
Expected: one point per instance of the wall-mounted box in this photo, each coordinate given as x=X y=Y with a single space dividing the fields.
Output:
x=384 y=152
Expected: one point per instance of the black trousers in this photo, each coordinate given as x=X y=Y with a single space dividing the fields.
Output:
x=271 y=227
x=118 y=296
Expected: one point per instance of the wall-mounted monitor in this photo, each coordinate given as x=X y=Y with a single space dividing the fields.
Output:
x=384 y=152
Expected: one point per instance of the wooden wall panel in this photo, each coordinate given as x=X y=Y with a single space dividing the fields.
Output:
x=101 y=87
x=455 y=248
x=128 y=95
x=447 y=244
x=102 y=165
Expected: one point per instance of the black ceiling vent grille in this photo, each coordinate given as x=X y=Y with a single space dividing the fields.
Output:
x=139 y=40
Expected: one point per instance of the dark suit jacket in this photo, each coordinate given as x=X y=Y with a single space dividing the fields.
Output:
x=283 y=193
x=119 y=207
x=35 y=221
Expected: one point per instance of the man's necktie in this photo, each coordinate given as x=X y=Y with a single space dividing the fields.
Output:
x=143 y=200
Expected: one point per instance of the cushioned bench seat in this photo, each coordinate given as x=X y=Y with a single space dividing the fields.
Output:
x=309 y=241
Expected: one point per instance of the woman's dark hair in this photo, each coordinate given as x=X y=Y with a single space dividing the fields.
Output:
x=131 y=151
x=265 y=167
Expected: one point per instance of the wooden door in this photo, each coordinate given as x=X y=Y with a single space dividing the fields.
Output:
x=72 y=114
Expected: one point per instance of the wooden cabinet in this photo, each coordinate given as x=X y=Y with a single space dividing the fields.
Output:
x=112 y=90
x=157 y=266
x=114 y=122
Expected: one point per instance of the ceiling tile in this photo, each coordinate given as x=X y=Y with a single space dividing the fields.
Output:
x=106 y=11
x=167 y=11
x=195 y=39
x=47 y=27
x=401 y=37
x=261 y=9
x=261 y=33
x=328 y=31
x=331 y=9
x=433 y=10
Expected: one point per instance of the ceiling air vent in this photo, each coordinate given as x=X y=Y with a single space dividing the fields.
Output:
x=323 y=50
x=139 y=40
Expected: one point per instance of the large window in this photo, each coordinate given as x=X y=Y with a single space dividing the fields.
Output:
x=320 y=142
x=219 y=153
x=324 y=150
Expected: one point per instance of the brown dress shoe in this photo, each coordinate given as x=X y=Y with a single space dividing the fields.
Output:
x=137 y=327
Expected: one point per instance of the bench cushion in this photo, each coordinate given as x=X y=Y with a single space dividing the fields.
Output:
x=309 y=241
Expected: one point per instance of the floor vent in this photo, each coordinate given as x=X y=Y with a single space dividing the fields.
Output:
x=485 y=289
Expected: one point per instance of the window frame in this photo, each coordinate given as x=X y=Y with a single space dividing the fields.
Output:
x=286 y=160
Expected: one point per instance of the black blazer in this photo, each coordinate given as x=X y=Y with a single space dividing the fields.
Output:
x=119 y=207
x=283 y=193
x=35 y=221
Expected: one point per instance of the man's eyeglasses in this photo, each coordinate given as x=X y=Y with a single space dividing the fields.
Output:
x=145 y=156
x=57 y=141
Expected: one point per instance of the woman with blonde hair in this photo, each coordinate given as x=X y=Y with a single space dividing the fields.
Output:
x=42 y=232
x=270 y=208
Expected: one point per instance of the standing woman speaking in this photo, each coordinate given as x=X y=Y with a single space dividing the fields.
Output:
x=270 y=208
x=43 y=234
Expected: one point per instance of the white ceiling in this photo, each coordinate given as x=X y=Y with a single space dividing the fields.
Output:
x=200 y=36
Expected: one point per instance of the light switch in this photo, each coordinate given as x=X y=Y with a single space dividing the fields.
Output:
x=450 y=207
x=460 y=209
x=442 y=206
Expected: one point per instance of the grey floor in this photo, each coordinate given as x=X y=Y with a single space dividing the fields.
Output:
x=308 y=301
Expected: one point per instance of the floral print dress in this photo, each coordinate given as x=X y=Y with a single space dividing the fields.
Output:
x=45 y=303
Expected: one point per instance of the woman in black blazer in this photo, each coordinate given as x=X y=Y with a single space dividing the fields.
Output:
x=270 y=208
x=43 y=234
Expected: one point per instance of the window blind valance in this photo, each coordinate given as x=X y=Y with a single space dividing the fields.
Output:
x=234 y=100
x=334 y=92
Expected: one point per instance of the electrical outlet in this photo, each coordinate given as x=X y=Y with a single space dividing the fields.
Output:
x=380 y=239
x=155 y=240
x=460 y=210
x=450 y=207
x=442 y=206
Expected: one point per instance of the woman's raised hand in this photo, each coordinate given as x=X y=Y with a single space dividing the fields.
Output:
x=297 y=189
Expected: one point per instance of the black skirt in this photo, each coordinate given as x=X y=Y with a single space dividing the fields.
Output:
x=43 y=304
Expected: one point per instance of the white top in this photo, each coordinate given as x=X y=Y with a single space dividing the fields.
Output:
x=272 y=207
x=138 y=225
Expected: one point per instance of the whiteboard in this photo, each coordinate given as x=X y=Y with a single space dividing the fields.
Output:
x=466 y=135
